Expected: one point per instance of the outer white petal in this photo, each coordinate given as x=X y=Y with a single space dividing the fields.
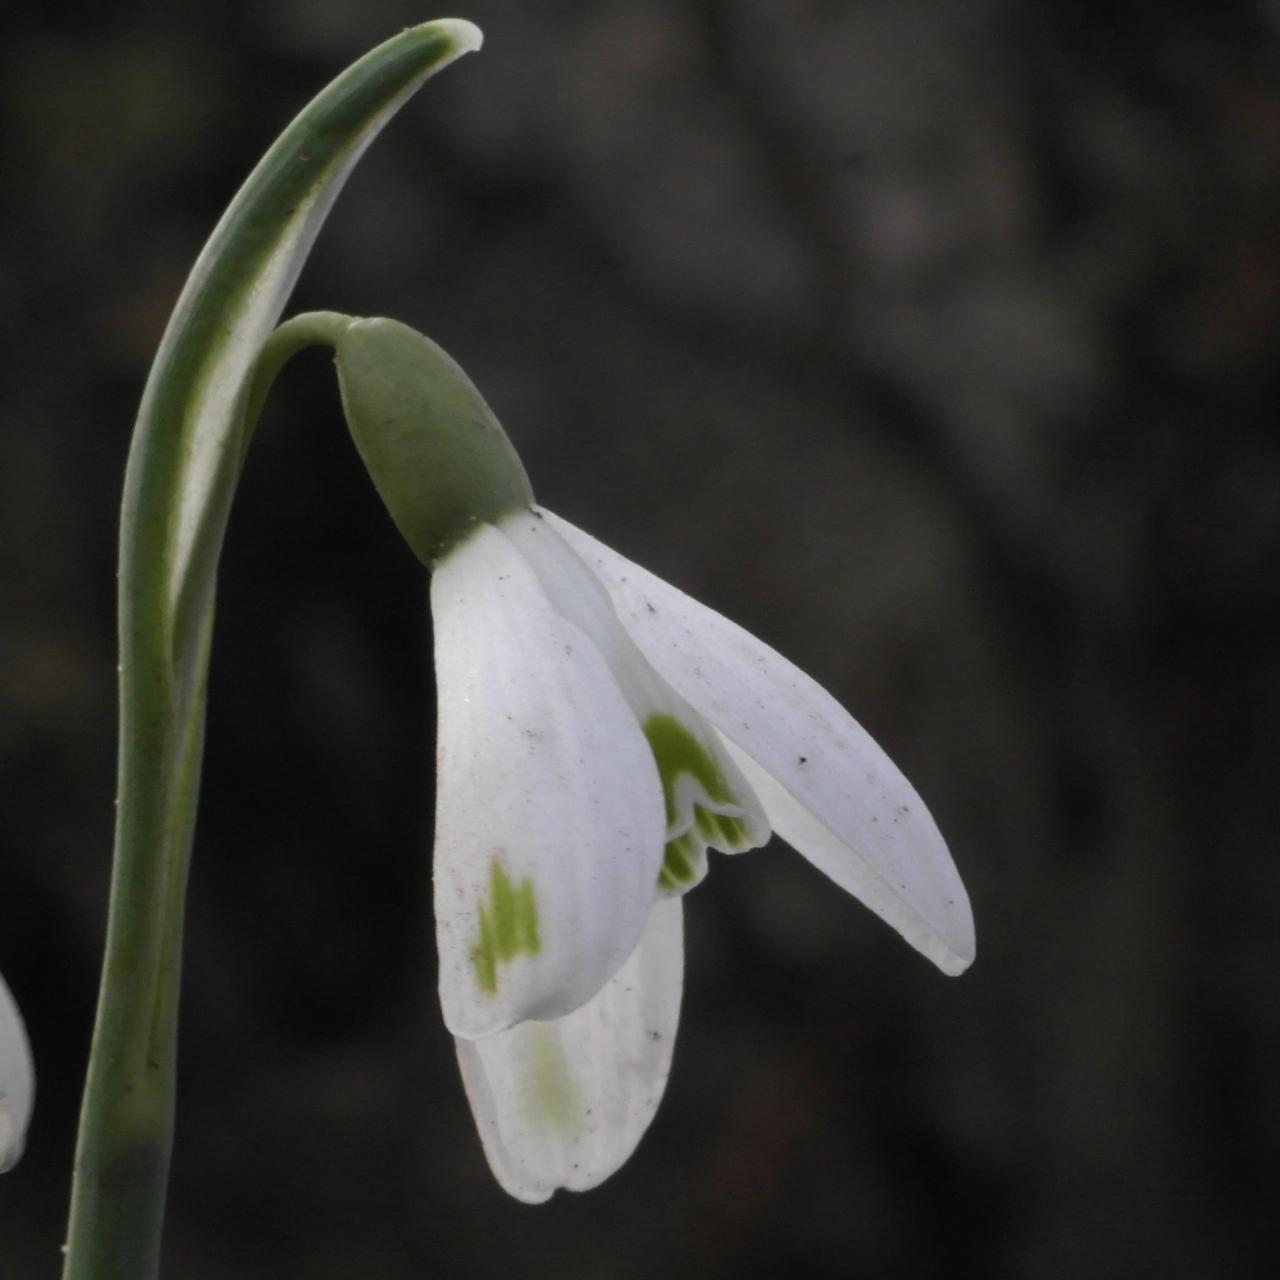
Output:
x=17 y=1081
x=826 y=787
x=547 y=798
x=563 y=1104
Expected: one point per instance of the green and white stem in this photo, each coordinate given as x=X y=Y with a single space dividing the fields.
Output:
x=184 y=462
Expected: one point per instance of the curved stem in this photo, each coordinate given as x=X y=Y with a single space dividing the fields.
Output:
x=309 y=329
x=202 y=396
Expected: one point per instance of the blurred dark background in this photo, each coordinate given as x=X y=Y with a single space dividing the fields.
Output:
x=934 y=342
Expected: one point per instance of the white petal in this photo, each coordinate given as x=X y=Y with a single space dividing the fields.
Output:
x=549 y=816
x=17 y=1081
x=563 y=1104
x=827 y=788
x=708 y=801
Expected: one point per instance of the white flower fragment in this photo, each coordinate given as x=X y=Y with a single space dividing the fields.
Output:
x=17 y=1081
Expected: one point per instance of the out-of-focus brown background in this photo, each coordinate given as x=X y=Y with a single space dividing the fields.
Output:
x=936 y=343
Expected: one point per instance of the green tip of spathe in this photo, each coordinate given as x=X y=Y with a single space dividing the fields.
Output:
x=466 y=36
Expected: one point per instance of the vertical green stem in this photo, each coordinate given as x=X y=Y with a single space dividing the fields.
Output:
x=127 y=1126
x=184 y=463
x=122 y=1159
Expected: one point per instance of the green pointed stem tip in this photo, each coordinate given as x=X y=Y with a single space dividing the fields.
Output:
x=438 y=457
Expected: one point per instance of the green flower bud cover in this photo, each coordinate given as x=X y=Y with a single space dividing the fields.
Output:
x=438 y=457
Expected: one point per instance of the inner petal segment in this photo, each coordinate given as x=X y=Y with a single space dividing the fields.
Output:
x=702 y=806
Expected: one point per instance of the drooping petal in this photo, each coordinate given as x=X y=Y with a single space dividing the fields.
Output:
x=827 y=788
x=17 y=1081
x=564 y=1103
x=708 y=801
x=549 y=816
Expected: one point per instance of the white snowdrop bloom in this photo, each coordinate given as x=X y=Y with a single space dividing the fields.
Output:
x=17 y=1081
x=599 y=731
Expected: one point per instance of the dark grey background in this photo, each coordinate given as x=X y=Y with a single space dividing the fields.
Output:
x=934 y=342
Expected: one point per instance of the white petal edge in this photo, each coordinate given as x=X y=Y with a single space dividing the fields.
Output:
x=826 y=786
x=544 y=773
x=564 y=1103
x=17 y=1081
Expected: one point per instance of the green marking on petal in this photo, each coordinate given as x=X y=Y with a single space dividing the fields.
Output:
x=681 y=863
x=677 y=751
x=554 y=1098
x=508 y=927
x=721 y=829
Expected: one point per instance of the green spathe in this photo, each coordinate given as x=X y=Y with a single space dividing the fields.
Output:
x=508 y=926
x=439 y=458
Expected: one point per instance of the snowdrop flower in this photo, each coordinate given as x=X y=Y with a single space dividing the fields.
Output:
x=17 y=1082
x=598 y=732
